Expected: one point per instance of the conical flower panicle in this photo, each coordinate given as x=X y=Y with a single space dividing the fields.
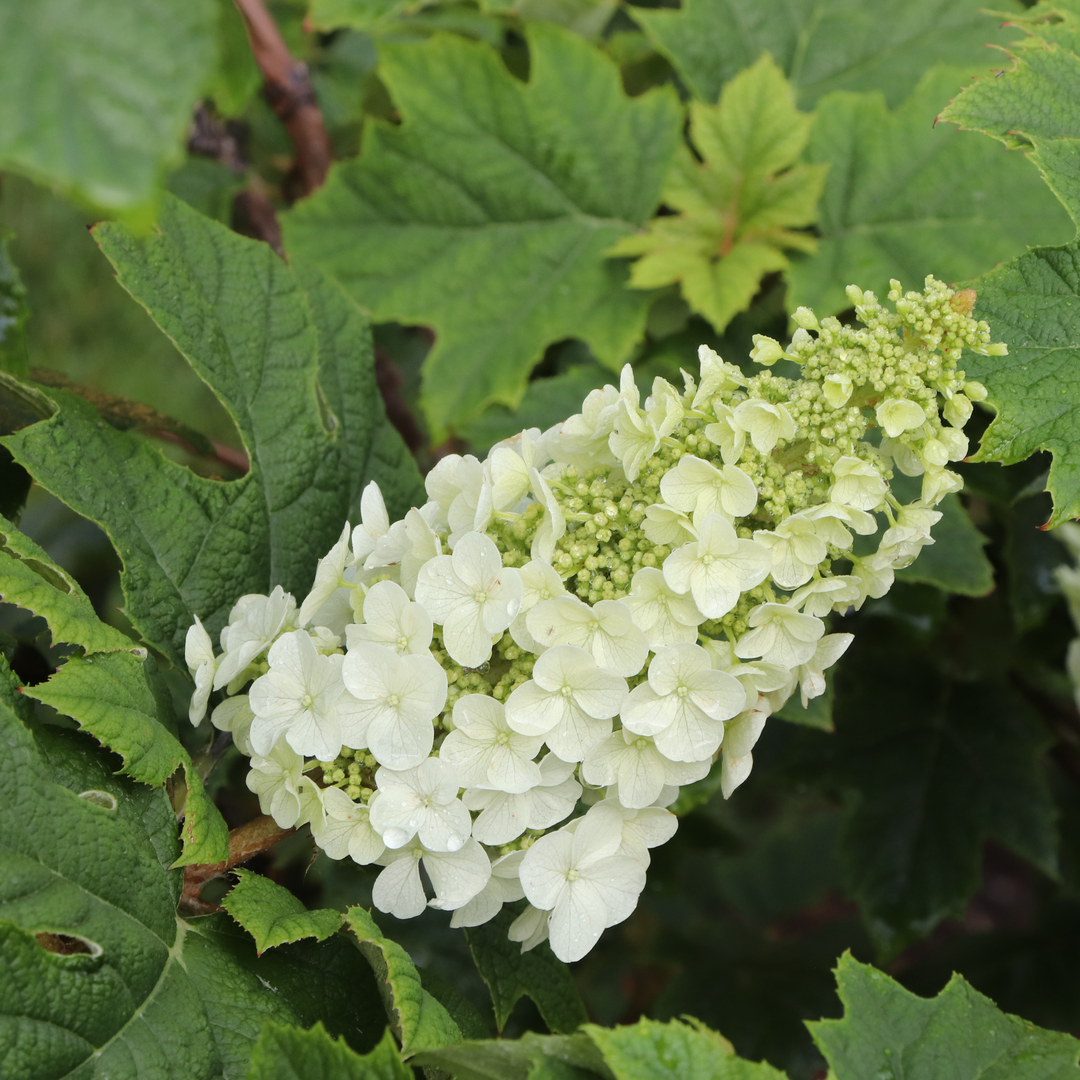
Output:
x=593 y=616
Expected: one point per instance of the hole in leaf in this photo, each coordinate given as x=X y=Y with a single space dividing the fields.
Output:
x=66 y=945
x=99 y=798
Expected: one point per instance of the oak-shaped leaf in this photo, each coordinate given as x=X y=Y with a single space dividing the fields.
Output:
x=888 y=1031
x=905 y=198
x=290 y=357
x=738 y=209
x=486 y=213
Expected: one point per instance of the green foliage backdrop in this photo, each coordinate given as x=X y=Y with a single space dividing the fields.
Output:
x=522 y=198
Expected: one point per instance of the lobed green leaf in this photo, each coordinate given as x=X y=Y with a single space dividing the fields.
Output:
x=113 y=696
x=95 y=95
x=485 y=214
x=738 y=207
x=1033 y=304
x=31 y=580
x=938 y=767
x=904 y=198
x=287 y=1053
x=290 y=357
x=511 y=974
x=888 y=1031
x=272 y=915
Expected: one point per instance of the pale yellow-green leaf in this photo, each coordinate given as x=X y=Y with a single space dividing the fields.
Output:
x=739 y=206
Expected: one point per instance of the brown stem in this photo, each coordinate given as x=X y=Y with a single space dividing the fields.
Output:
x=289 y=91
x=245 y=843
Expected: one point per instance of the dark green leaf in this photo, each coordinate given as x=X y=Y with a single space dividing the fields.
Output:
x=938 y=766
x=417 y=1018
x=1033 y=304
x=822 y=45
x=889 y=1032
x=92 y=975
x=31 y=580
x=1033 y=103
x=290 y=357
x=95 y=95
x=112 y=696
x=510 y=974
x=486 y=213
x=287 y=1053
x=904 y=198
x=272 y=915
x=532 y=1057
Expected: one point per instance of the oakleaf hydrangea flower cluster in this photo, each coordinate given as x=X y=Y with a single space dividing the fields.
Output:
x=508 y=687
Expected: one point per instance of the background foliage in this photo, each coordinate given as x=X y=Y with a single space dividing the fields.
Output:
x=524 y=196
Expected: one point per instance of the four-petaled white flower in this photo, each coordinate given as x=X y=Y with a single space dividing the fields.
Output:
x=695 y=486
x=857 y=483
x=637 y=767
x=742 y=735
x=421 y=802
x=727 y=434
x=234 y=715
x=765 y=423
x=394 y=700
x=456 y=876
x=393 y=620
x=606 y=630
x=297 y=699
x=503 y=887
x=683 y=704
x=665 y=616
x=718 y=567
x=796 y=550
x=329 y=577
x=344 y=829
x=486 y=751
x=504 y=817
x=665 y=525
x=374 y=523
x=897 y=415
x=826 y=594
x=569 y=701
x=255 y=622
x=471 y=595
x=539 y=582
x=284 y=792
x=553 y=527
x=780 y=635
x=579 y=878
x=509 y=465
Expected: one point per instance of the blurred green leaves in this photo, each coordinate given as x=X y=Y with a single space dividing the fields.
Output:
x=95 y=94
x=821 y=45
